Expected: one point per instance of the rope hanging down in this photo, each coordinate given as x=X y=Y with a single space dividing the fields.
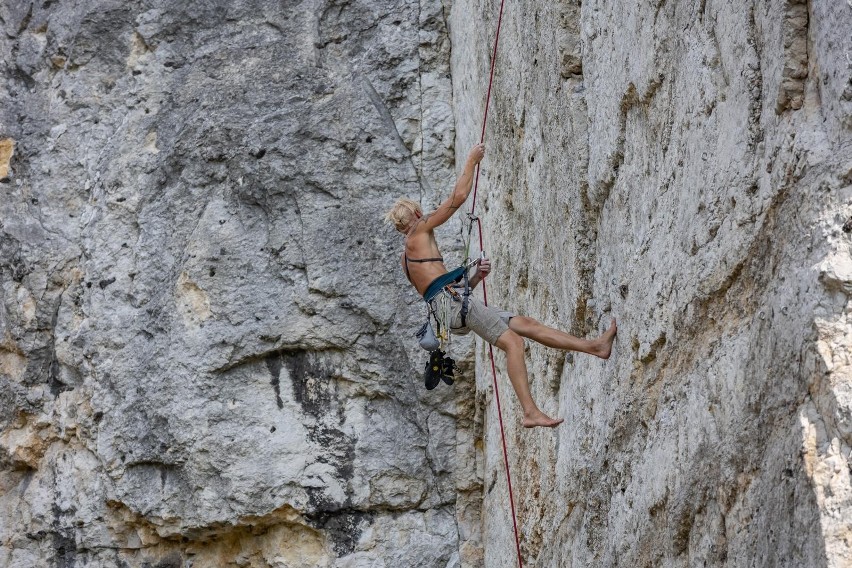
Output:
x=485 y=293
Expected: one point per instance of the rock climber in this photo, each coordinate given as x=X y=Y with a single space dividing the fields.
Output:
x=424 y=268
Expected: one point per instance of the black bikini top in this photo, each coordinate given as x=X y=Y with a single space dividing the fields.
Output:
x=407 y=260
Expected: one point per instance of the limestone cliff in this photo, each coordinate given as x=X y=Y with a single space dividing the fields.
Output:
x=205 y=354
x=685 y=167
x=206 y=351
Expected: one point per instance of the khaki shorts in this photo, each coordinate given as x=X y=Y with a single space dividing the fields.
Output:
x=487 y=322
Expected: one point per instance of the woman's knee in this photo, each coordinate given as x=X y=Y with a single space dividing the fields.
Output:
x=510 y=340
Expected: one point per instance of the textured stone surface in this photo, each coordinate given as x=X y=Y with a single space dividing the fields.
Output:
x=684 y=167
x=205 y=350
x=203 y=359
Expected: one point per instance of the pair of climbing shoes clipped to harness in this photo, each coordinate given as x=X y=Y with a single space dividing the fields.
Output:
x=439 y=367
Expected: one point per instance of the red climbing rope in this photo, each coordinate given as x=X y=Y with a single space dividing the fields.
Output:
x=485 y=295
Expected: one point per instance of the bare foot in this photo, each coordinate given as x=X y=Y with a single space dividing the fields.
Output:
x=539 y=418
x=603 y=344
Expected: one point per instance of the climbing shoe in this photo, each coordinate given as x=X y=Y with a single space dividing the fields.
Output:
x=448 y=369
x=434 y=369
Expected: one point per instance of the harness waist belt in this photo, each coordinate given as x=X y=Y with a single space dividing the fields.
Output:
x=443 y=280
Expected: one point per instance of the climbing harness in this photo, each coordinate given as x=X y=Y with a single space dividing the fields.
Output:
x=440 y=297
x=485 y=292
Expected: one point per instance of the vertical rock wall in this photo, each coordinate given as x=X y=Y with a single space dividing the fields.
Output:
x=205 y=356
x=205 y=351
x=685 y=167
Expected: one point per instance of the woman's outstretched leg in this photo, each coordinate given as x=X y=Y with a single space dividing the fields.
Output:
x=537 y=331
x=513 y=345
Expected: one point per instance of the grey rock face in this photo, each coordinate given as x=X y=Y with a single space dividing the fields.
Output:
x=206 y=353
x=684 y=167
x=205 y=339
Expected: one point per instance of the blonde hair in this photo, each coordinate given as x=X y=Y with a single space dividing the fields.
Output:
x=401 y=213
